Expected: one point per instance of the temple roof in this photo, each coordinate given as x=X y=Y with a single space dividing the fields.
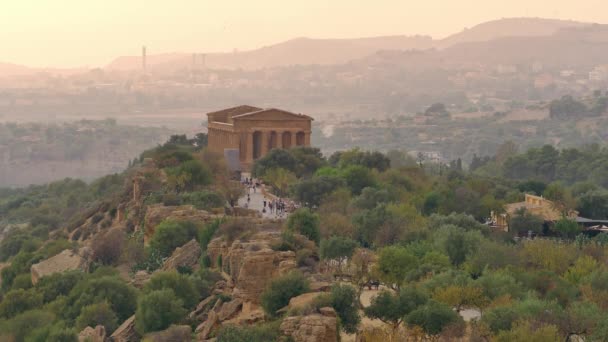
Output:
x=271 y=110
x=234 y=111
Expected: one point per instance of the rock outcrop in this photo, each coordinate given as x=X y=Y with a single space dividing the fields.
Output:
x=140 y=278
x=229 y=309
x=203 y=331
x=318 y=327
x=253 y=264
x=67 y=260
x=126 y=331
x=302 y=301
x=89 y=334
x=184 y=256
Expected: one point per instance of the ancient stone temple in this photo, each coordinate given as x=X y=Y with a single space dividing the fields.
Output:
x=246 y=133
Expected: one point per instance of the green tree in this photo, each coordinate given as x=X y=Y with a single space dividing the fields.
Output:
x=311 y=192
x=281 y=290
x=276 y=158
x=337 y=248
x=394 y=265
x=594 y=204
x=524 y=332
x=305 y=222
x=392 y=308
x=344 y=300
x=433 y=317
x=567 y=228
x=157 y=310
x=280 y=179
x=357 y=178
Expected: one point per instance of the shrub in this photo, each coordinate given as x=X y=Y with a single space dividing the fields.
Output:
x=182 y=286
x=207 y=232
x=22 y=325
x=305 y=222
x=17 y=301
x=22 y=281
x=157 y=310
x=281 y=290
x=257 y=333
x=121 y=297
x=108 y=247
x=97 y=314
x=169 y=235
x=233 y=229
x=203 y=199
x=58 y=284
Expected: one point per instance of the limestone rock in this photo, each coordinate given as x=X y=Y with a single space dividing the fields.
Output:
x=253 y=264
x=204 y=329
x=230 y=309
x=67 y=260
x=311 y=328
x=320 y=286
x=126 y=331
x=173 y=334
x=184 y=256
x=89 y=334
x=302 y=300
x=203 y=307
x=140 y=279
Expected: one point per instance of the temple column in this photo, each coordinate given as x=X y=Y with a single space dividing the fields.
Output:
x=294 y=141
x=306 y=138
x=249 y=148
x=279 y=139
x=264 y=147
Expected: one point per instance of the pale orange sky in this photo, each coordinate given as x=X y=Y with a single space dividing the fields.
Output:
x=68 y=33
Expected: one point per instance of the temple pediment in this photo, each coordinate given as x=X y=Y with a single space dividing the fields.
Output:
x=272 y=114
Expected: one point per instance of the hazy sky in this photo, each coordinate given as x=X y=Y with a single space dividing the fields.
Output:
x=93 y=32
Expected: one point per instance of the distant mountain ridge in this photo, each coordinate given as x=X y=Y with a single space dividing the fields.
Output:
x=310 y=51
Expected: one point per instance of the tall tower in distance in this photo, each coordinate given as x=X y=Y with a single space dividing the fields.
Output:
x=143 y=58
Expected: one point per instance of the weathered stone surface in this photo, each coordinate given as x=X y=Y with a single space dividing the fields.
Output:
x=89 y=334
x=252 y=264
x=65 y=261
x=311 y=328
x=174 y=333
x=302 y=300
x=140 y=279
x=156 y=213
x=204 y=329
x=184 y=256
x=320 y=286
x=327 y=312
x=230 y=309
x=126 y=331
x=202 y=307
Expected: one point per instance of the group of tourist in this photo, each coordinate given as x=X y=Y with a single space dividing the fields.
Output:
x=251 y=184
x=276 y=206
